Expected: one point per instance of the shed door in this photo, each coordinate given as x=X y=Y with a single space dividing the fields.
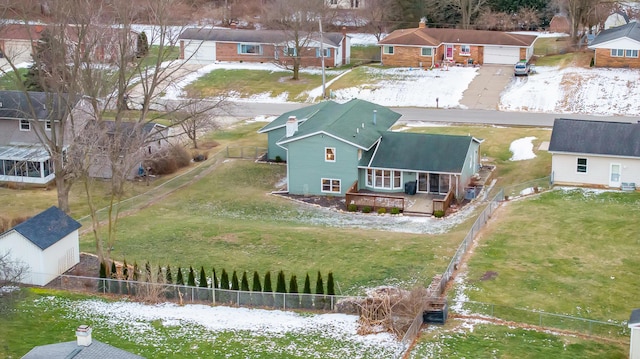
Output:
x=614 y=175
x=199 y=52
x=501 y=55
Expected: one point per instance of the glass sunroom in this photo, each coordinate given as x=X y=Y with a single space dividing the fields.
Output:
x=25 y=164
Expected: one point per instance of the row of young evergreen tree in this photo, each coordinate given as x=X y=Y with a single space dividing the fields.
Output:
x=166 y=276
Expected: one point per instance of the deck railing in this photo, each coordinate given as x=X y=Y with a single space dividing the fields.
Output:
x=443 y=204
x=372 y=200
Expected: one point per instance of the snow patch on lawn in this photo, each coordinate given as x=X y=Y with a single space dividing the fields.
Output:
x=522 y=149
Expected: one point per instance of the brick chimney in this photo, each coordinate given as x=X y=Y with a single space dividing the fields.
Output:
x=292 y=126
x=423 y=23
x=233 y=25
x=83 y=334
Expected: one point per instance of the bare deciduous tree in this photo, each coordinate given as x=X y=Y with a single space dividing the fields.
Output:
x=468 y=9
x=578 y=12
x=194 y=121
x=12 y=272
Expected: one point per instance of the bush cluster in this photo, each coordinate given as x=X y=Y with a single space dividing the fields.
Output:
x=168 y=160
x=438 y=214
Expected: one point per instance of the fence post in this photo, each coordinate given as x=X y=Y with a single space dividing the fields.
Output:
x=213 y=291
x=284 y=301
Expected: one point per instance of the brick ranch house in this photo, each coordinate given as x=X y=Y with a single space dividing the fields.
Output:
x=429 y=47
x=617 y=46
x=206 y=46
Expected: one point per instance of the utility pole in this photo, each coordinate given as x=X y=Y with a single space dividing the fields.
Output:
x=324 y=96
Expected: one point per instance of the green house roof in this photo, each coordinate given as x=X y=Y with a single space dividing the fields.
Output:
x=419 y=152
x=354 y=122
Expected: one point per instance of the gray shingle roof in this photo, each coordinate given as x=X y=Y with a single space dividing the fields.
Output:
x=16 y=105
x=630 y=30
x=97 y=350
x=419 y=152
x=352 y=122
x=252 y=36
x=48 y=227
x=595 y=137
x=635 y=317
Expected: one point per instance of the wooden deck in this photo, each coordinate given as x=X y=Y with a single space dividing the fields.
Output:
x=417 y=204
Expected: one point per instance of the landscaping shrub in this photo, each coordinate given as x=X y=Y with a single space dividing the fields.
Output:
x=114 y=286
x=168 y=275
x=382 y=210
x=191 y=280
x=199 y=157
x=235 y=284
x=319 y=299
x=125 y=276
x=280 y=290
x=438 y=214
x=293 y=299
x=179 y=278
x=102 y=284
x=268 y=290
x=352 y=207
x=256 y=290
x=592 y=63
x=244 y=283
x=168 y=161
x=278 y=159
x=395 y=210
x=366 y=209
x=224 y=280
x=203 y=279
x=306 y=301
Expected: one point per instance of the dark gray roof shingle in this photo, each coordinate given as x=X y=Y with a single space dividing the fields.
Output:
x=16 y=105
x=48 y=227
x=419 y=152
x=595 y=137
x=97 y=350
x=630 y=30
x=252 y=36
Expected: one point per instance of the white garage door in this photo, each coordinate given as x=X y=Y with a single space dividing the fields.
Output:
x=501 y=55
x=199 y=52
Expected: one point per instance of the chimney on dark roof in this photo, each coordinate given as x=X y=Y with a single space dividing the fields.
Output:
x=375 y=113
x=292 y=126
x=233 y=25
x=423 y=23
x=83 y=334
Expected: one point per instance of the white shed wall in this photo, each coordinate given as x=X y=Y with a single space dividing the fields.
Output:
x=564 y=169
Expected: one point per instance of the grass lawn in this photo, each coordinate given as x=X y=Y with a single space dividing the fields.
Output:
x=364 y=54
x=253 y=82
x=8 y=80
x=577 y=255
x=458 y=340
x=61 y=313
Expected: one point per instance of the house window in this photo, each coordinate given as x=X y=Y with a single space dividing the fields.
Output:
x=387 y=50
x=465 y=50
x=290 y=51
x=631 y=53
x=329 y=154
x=582 y=165
x=47 y=125
x=330 y=185
x=355 y=4
x=249 y=49
x=327 y=52
x=384 y=179
x=25 y=125
x=427 y=51
x=334 y=2
x=617 y=52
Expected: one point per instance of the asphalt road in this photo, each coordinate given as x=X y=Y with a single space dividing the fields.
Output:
x=500 y=118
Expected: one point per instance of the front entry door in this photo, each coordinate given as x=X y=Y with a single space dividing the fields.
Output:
x=423 y=182
x=614 y=175
x=434 y=183
x=449 y=52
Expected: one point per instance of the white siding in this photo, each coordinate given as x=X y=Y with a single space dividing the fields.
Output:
x=564 y=169
x=199 y=52
x=45 y=265
x=634 y=346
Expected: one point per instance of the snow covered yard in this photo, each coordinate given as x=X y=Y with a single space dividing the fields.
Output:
x=166 y=330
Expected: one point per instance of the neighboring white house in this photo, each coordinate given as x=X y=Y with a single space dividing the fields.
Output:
x=595 y=153
x=618 y=18
x=634 y=325
x=47 y=243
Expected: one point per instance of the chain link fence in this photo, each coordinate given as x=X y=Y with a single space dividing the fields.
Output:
x=543 y=319
x=148 y=291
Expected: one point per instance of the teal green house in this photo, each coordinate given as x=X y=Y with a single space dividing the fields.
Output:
x=332 y=148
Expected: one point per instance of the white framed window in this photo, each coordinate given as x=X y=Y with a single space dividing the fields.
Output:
x=582 y=165
x=47 y=125
x=465 y=49
x=631 y=53
x=330 y=185
x=249 y=49
x=290 y=51
x=617 y=53
x=329 y=154
x=327 y=52
x=25 y=125
x=384 y=179
x=426 y=51
x=334 y=2
x=387 y=50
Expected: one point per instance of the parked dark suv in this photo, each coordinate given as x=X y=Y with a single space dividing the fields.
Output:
x=522 y=68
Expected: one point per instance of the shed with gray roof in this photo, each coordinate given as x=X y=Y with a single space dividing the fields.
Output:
x=595 y=153
x=47 y=243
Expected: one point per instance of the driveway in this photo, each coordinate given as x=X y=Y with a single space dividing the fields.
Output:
x=484 y=91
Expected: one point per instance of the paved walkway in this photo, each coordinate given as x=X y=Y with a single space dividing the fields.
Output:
x=484 y=91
